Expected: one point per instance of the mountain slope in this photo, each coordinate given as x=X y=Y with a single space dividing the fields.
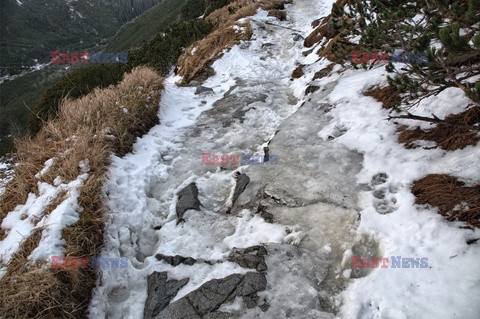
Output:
x=31 y=29
x=145 y=27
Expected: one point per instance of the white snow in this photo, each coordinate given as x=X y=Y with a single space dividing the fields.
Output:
x=449 y=287
x=65 y=214
x=46 y=168
x=19 y=223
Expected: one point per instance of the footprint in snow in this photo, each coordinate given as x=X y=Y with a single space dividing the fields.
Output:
x=384 y=200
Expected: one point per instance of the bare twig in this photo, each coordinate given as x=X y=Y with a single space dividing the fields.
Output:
x=433 y=119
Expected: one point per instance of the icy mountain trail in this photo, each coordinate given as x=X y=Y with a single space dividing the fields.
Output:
x=270 y=241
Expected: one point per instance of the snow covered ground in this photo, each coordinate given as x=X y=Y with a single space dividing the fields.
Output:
x=341 y=189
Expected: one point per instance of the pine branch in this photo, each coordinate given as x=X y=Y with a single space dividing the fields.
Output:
x=433 y=119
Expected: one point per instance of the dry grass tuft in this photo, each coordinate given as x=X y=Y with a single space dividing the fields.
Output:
x=279 y=14
x=90 y=128
x=332 y=50
x=388 y=95
x=454 y=136
x=298 y=72
x=316 y=23
x=239 y=9
x=453 y=199
x=200 y=54
x=320 y=32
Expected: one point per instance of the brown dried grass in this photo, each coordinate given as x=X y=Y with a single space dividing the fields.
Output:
x=320 y=32
x=90 y=128
x=331 y=50
x=388 y=95
x=454 y=136
x=454 y=200
x=298 y=72
x=239 y=9
x=200 y=54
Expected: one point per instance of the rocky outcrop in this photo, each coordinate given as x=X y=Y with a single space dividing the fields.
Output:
x=251 y=257
x=187 y=199
x=160 y=292
x=242 y=182
x=205 y=301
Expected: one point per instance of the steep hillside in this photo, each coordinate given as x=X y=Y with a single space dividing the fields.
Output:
x=145 y=27
x=32 y=28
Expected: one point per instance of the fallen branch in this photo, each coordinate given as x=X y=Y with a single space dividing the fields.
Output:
x=433 y=119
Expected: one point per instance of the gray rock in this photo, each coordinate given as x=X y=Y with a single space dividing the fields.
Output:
x=297 y=37
x=266 y=151
x=176 y=260
x=187 y=199
x=217 y=315
x=242 y=182
x=305 y=53
x=262 y=210
x=160 y=292
x=203 y=89
x=320 y=74
x=251 y=257
x=205 y=301
x=311 y=89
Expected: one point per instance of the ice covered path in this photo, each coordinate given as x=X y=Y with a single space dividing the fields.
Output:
x=311 y=193
x=265 y=241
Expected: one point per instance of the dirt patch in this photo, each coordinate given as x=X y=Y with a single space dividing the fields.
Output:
x=388 y=95
x=453 y=199
x=456 y=132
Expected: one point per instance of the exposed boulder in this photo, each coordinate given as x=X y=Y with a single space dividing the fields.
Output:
x=187 y=199
x=205 y=301
x=251 y=257
x=242 y=182
x=203 y=90
x=160 y=292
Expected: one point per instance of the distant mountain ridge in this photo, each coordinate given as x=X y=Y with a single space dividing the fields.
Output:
x=31 y=29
